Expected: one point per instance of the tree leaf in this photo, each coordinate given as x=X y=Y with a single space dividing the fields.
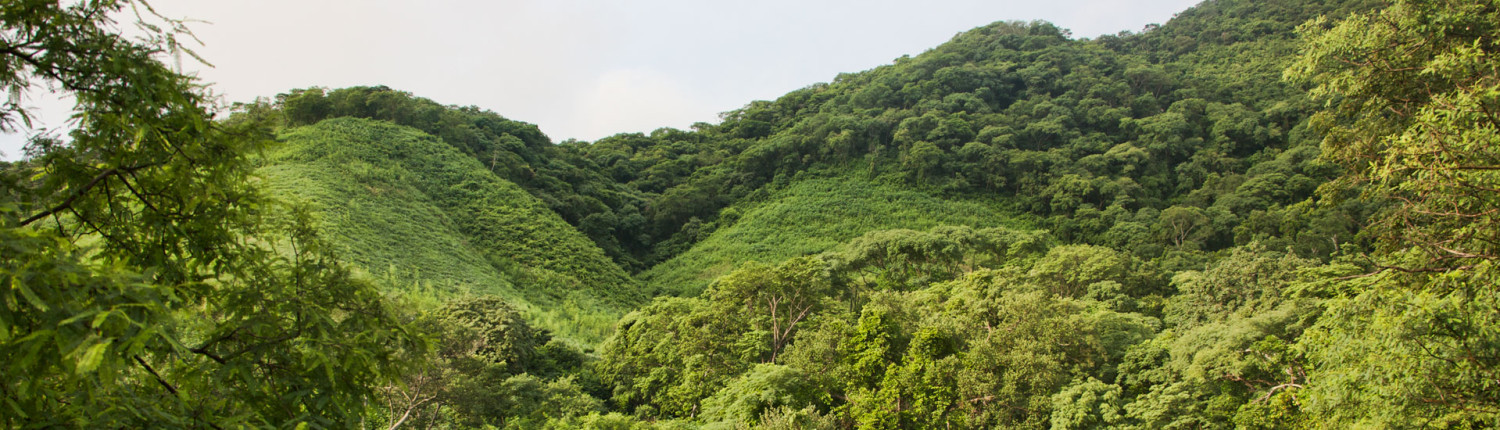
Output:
x=89 y=361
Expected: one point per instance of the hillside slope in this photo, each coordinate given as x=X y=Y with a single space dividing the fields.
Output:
x=1095 y=138
x=1092 y=139
x=419 y=215
x=812 y=216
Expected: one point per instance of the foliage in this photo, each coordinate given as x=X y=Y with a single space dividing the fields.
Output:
x=776 y=299
x=425 y=219
x=811 y=216
x=609 y=212
x=763 y=389
x=146 y=281
x=925 y=353
x=1411 y=93
x=666 y=357
x=489 y=367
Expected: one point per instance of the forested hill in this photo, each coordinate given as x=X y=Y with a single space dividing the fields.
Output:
x=433 y=223
x=1260 y=214
x=1093 y=140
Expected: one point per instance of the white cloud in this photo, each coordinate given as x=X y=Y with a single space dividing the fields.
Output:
x=632 y=100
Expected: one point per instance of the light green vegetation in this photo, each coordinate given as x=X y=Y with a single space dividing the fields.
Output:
x=811 y=216
x=424 y=219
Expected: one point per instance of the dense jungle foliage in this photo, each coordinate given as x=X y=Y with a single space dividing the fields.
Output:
x=1261 y=214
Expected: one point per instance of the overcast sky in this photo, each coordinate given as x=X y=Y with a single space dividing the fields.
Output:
x=588 y=69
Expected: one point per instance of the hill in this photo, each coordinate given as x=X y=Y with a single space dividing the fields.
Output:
x=577 y=190
x=420 y=216
x=1093 y=140
x=1096 y=141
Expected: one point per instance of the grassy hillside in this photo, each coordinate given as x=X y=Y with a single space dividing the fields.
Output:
x=808 y=217
x=422 y=217
x=581 y=193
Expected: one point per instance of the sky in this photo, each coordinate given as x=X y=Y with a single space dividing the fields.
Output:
x=584 y=69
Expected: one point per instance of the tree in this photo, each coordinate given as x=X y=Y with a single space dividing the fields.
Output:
x=303 y=107
x=925 y=159
x=1414 y=114
x=776 y=298
x=1086 y=403
x=668 y=356
x=760 y=389
x=487 y=366
x=1413 y=94
x=1179 y=223
x=145 y=280
x=1068 y=270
